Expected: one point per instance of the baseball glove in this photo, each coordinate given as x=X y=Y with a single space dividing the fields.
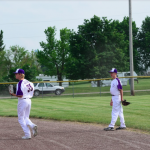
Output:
x=11 y=89
x=125 y=103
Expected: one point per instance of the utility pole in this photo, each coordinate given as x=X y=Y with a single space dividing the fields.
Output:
x=131 y=48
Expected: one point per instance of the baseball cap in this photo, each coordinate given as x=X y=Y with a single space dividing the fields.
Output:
x=113 y=70
x=20 y=71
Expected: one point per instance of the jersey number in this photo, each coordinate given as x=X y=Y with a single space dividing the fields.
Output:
x=29 y=87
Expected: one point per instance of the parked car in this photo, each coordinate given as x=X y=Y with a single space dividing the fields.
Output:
x=47 y=88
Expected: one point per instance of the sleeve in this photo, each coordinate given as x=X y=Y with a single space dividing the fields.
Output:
x=119 y=86
x=19 y=91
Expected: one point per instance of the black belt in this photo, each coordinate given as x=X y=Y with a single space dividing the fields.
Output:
x=114 y=95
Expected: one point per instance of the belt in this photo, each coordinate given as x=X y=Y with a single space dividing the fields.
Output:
x=114 y=95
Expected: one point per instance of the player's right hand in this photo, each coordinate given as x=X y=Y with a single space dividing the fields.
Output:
x=12 y=94
x=111 y=103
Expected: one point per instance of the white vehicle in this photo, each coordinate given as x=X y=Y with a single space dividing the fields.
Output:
x=47 y=88
x=53 y=78
x=119 y=74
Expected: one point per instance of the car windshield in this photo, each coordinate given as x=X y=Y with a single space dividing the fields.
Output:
x=41 y=85
x=48 y=85
x=35 y=84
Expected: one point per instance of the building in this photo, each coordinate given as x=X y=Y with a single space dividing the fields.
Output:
x=53 y=78
x=124 y=81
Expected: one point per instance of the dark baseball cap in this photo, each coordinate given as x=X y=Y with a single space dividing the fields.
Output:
x=20 y=71
x=113 y=70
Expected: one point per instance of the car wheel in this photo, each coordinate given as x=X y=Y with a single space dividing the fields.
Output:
x=36 y=93
x=58 y=92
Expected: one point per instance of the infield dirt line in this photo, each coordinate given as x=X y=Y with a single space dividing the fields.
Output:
x=61 y=135
x=141 y=143
x=117 y=139
x=57 y=143
x=60 y=144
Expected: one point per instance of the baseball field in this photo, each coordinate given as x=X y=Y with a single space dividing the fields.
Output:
x=58 y=120
x=84 y=109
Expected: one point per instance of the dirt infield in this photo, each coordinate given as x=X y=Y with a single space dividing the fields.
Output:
x=55 y=135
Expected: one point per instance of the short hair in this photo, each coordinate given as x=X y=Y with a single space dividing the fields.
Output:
x=22 y=75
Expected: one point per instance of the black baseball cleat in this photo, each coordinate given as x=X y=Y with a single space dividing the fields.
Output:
x=109 y=129
x=120 y=128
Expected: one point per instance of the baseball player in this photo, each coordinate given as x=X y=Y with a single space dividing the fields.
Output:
x=24 y=92
x=117 y=96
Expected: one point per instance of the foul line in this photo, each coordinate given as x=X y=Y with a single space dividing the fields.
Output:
x=117 y=139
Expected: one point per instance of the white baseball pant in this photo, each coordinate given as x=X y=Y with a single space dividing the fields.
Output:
x=24 y=106
x=117 y=110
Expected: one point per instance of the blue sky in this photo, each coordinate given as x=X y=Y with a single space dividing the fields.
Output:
x=23 y=22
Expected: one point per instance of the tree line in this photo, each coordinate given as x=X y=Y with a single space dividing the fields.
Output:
x=98 y=45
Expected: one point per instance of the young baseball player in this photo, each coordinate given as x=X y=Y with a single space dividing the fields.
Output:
x=117 y=96
x=24 y=92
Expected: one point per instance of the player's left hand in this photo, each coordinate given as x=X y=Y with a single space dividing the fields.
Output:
x=122 y=100
x=125 y=103
x=12 y=94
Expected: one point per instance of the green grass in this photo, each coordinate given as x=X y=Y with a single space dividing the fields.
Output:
x=85 y=87
x=84 y=109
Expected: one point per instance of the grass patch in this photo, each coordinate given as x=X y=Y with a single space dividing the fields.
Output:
x=84 y=109
x=85 y=87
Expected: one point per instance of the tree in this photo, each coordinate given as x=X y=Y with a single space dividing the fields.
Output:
x=2 y=47
x=30 y=73
x=18 y=57
x=3 y=60
x=95 y=49
x=144 y=45
x=3 y=65
x=123 y=27
x=55 y=53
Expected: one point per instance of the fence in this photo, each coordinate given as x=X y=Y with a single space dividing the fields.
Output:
x=82 y=88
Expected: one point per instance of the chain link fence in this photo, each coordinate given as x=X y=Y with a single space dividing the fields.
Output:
x=82 y=88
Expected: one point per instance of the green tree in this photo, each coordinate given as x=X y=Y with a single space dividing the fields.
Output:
x=144 y=45
x=55 y=53
x=96 y=48
x=3 y=61
x=2 y=47
x=19 y=57
x=123 y=27
x=3 y=65
x=30 y=73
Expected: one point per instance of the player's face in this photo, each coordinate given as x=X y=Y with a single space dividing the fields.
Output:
x=17 y=76
x=113 y=75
